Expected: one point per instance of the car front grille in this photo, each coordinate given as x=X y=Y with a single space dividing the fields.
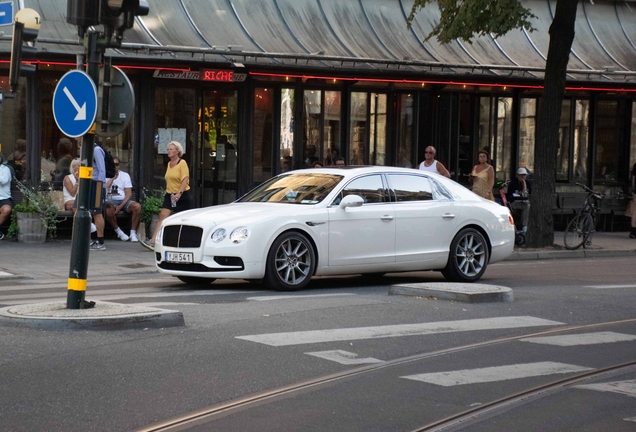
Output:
x=184 y=236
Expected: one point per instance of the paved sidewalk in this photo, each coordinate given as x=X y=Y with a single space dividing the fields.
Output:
x=51 y=260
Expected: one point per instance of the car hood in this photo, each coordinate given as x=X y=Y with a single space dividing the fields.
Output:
x=237 y=213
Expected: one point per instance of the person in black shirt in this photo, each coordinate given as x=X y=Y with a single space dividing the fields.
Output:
x=518 y=196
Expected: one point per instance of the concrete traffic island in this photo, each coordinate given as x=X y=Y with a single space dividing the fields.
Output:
x=463 y=292
x=103 y=316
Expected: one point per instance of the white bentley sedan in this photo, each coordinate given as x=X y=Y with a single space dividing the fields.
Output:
x=338 y=221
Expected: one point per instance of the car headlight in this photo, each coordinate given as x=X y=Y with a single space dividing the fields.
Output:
x=159 y=236
x=219 y=235
x=239 y=234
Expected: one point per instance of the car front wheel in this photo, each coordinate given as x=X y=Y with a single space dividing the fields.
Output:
x=290 y=263
x=468 y=257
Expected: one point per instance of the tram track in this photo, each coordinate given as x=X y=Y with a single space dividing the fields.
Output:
x=209 y=414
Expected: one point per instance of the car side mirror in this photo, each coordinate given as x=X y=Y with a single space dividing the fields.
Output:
x=351 y=201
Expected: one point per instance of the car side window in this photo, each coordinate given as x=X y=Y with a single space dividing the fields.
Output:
x=410 y=187
x=370 y=188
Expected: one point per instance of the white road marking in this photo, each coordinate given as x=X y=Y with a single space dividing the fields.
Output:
x=497 y=373
x=164 y=304
x=358 y=333
x=3 y=273
x=344 y=357
x=96 y=296
x=609 y=286
x=631 y=419
x=298 y=296
x=623 y=387
x=581 y=339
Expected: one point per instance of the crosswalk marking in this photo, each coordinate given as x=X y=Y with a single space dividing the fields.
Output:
x=497 y=373
x=343 y=357
x=4 y=273
x=623 y=387
x=610 y=286
x=631 y=419
x=297 y=296
x=358 y=333
x=581 y=339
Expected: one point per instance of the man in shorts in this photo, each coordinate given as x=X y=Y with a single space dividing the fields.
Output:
x=120 y=191
x=6 y=203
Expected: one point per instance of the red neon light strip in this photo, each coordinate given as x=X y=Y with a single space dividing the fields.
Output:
x=408 y=81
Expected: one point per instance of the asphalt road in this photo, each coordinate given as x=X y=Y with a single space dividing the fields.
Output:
x=338 y=356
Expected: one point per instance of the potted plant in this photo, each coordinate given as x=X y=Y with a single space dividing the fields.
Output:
x=35 y=217
x=150 y=208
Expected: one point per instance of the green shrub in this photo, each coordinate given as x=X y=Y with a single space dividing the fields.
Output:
x=35 y=201
x=150 y=205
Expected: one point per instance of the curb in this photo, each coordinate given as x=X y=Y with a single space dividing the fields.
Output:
x=104 y=316
x=567 y=254
x=463 y=292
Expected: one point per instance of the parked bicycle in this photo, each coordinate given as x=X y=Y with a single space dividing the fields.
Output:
x=580 y=230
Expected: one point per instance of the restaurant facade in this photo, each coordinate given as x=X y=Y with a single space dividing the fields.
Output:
x=253 y=88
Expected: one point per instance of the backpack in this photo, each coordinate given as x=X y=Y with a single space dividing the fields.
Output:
x=110 y=164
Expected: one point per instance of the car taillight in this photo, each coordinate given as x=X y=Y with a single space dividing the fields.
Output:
x=511 y=220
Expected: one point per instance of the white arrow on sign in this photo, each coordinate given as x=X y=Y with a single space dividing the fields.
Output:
x=81 y=111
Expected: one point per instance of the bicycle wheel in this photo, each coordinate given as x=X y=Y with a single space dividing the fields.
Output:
x=578 y=230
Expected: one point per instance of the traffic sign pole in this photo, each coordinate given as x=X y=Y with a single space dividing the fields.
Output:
x=80 y=247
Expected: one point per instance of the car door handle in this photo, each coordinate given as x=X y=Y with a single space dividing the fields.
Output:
x=448 y=216
x=387 y=218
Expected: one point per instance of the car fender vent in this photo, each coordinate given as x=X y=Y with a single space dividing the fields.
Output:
x=229 y=261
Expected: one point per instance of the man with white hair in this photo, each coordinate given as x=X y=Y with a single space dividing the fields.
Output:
x=431 y=165
x=518 y=196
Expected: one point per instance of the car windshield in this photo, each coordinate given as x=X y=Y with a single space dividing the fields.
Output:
x=294 y=189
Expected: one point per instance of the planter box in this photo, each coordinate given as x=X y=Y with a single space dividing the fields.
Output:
x=32 y=228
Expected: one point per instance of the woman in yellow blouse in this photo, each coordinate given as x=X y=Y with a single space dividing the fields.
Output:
x=177 y=196
x=483 y=177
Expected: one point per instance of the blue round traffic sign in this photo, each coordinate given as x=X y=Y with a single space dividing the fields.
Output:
x=75 y=103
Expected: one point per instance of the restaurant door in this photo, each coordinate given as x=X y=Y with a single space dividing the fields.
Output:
x=218 y=127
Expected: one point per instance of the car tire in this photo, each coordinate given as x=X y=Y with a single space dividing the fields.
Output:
x=468 y=257
x=290 y=263
x=192 y=280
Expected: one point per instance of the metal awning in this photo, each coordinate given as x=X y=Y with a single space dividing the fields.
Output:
x=334 y=36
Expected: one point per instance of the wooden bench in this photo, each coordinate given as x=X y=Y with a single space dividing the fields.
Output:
x=124 y=219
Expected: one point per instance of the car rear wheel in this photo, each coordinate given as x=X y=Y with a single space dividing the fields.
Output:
x=290 y=263
x=468 y=257
x=192 y=280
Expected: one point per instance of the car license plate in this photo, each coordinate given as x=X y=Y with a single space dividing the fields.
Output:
x=180 y=257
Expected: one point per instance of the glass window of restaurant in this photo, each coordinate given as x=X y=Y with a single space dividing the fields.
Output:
x=175 y=119
x=367 y=130
x=263 y=128
x=632 y=153
x=527 y=132
x=610 y=141
x=321 y=127
x=287 y=129
x=218 y=125
x=312 y=120
x=581 y=139
x=13 y=129
x=405 y=117
x=495 y=132
x=563 y=152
